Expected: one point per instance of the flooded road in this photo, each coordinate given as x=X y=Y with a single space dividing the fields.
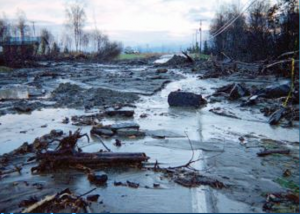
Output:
x=170 y=131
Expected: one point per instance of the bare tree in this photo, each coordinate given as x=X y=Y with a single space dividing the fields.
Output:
x=100 y=40
x=258 y=30
x=76 y=18
x=21 y=24
x=46 y=39
x=85 y=40
x=4 y=29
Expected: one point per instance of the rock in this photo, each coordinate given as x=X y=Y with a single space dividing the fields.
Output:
x=224 y=89
x=86 y=120
x=276 y=91
x=251 y=101
x=176 y=60
x=130 y=132
x=238 y=91
x=210 y=74
x=66 y=120
x=133 y=185
x=162 y=70
x=119 y=113
x=25 y=107
x=276 y=116
x=119 y=126
x=118 y=143
x=93 y=198
x=143 y=115
x=155 y=185
x=97 y=179
x=102 y=132
x=56 y=133
x=185 y=99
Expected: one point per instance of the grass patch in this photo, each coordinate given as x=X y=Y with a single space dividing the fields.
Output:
x=5 y=69
x=136 y=56
x=199 y=56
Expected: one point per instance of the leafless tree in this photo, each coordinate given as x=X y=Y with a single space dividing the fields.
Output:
x=21 y=24
x=85 y=40
x=76 y=18
x=46 y=40
x=4 y=28
x=100 y=40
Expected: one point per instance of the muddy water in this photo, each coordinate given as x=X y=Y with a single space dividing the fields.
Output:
x=179 y=125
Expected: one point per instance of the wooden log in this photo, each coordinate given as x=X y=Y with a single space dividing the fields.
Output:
x=270 y=152
x=103 y=158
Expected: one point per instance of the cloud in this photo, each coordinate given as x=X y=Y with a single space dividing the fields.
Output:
x=131 y=21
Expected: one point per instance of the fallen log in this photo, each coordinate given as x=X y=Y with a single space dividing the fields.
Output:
x=188 y=57
x=87 y=159
x=270 y=152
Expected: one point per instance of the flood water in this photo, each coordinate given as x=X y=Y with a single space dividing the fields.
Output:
x=179 y=125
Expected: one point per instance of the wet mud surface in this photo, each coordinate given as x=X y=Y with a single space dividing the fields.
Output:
x=223 y=136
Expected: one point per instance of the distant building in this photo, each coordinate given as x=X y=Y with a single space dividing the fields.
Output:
x=14 y=48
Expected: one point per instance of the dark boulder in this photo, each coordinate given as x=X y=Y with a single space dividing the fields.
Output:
x=119 y=113
x=185 y=99
x=276 y=91
x=162 y=70
x=102 y=132
x=119 y=126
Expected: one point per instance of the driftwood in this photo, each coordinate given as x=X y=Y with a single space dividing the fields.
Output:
x=60 y=201
x=277 y=63
x=91 y=159
x=270 y=152
x=188 y=57
x=39 y=204
x=288 y=54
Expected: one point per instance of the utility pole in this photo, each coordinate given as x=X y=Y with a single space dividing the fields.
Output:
x=196 y=41
x=200 y=30
x=33 y=28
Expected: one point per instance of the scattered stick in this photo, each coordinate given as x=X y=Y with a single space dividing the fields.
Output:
x=101 y=141
x=84 y=194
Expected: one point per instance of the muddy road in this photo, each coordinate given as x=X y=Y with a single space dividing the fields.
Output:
x=223 y=136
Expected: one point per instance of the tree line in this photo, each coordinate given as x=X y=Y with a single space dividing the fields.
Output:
x=261 y=32
x=74 y=39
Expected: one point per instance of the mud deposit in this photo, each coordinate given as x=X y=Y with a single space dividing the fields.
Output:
x=222 y=136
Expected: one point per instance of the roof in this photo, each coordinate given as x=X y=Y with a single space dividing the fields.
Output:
x=20 y=41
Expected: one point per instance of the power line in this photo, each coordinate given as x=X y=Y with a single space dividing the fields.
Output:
x=226 y=27
x=217 y=31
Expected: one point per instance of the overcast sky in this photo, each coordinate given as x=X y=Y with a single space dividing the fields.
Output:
x=134 y=22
